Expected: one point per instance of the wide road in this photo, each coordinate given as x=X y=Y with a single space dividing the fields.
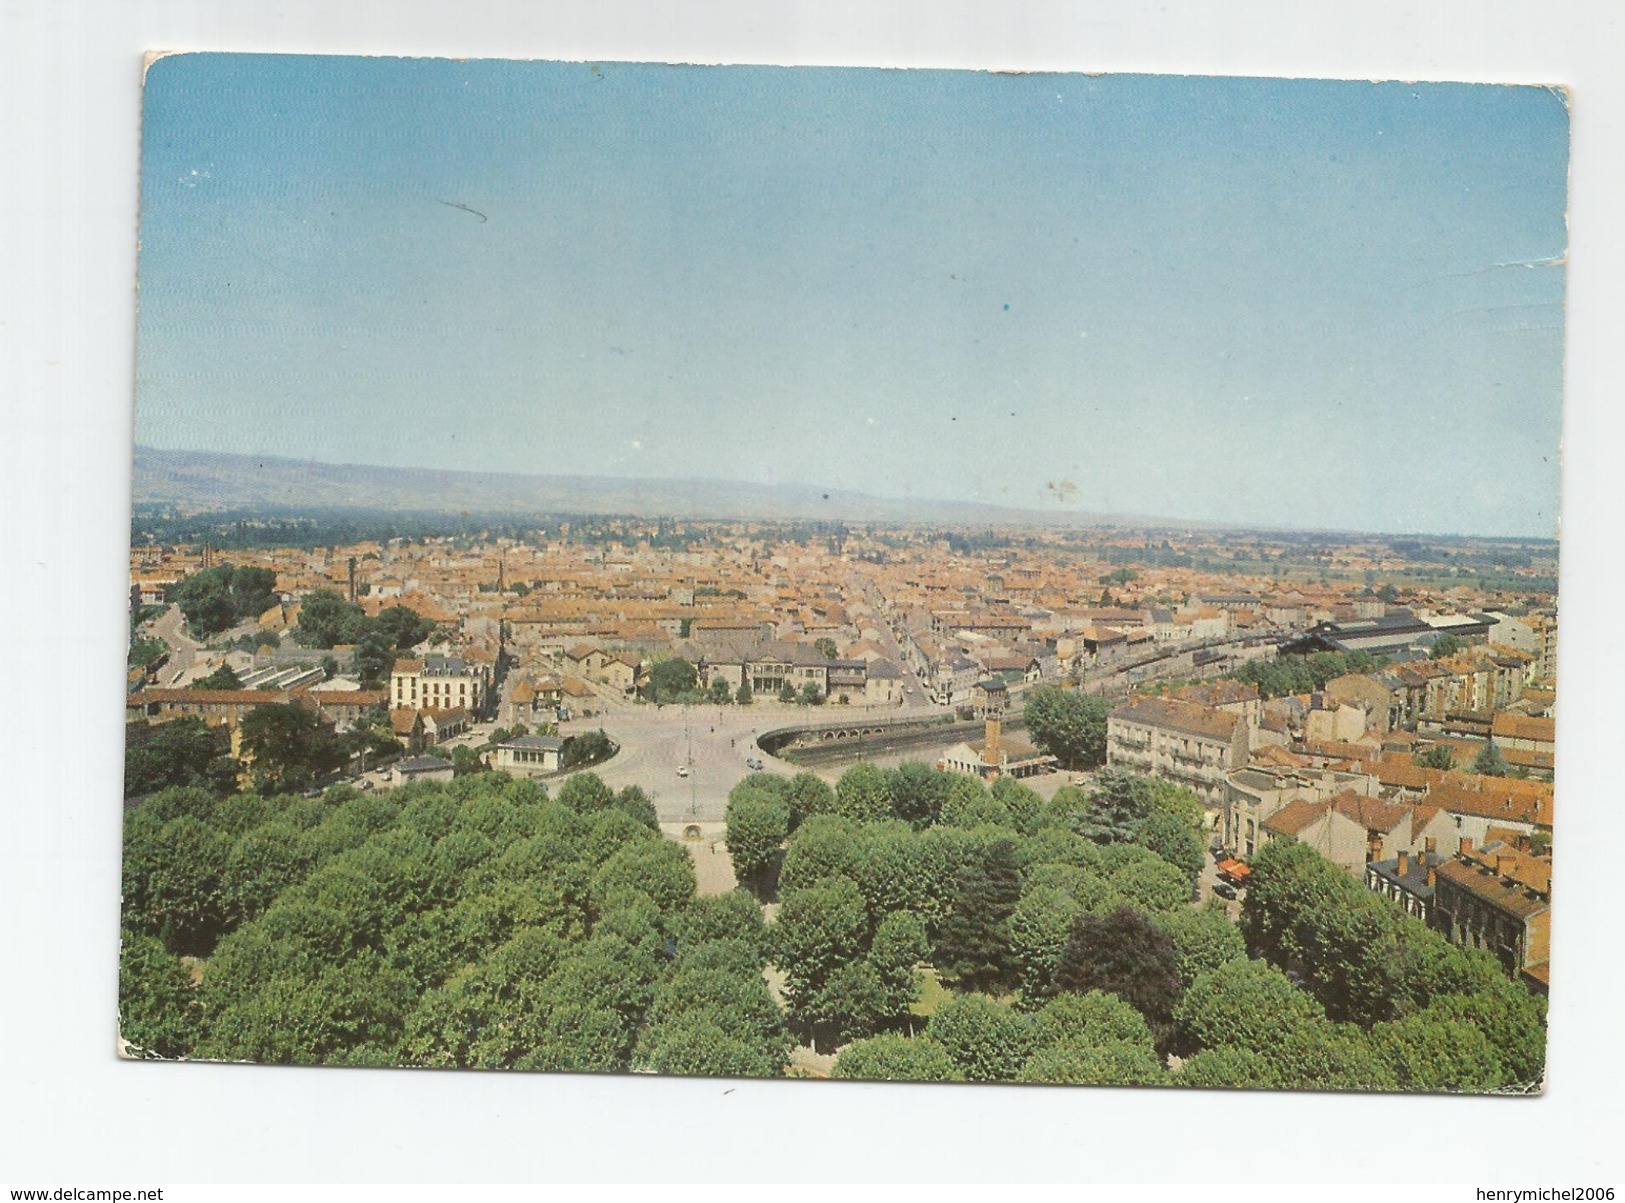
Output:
x=714 y=742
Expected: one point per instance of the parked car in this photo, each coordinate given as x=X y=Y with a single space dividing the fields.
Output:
x=682 y=770
x=1224 y=889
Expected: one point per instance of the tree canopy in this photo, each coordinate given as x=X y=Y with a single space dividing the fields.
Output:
x=474 y=923
x=479 y=922
x=671 y=680
x=1068 y=725
x=1123 y=953
x=181 y=752
x=1291 y=674
x=218 y=598
x=289 y=746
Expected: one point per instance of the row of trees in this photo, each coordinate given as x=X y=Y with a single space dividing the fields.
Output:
x=478 y=924
x=1025 y=908
x=1368 y=963
x=482 y=923
x=1285 y=675
x=285 y=748
x=1341 y=991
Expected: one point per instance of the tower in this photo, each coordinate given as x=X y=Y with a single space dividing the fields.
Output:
x=991 y=753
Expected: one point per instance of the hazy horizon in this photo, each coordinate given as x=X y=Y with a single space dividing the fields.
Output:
x=1301 y=305
x=1031 y=518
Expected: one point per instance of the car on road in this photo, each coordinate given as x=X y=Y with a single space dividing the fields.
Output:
x=753 y=762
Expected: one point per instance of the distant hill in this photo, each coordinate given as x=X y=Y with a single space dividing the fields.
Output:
x=200 y=482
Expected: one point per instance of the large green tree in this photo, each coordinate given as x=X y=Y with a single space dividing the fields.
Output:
x=1122 y=953
x=159 y=1012
x=895 y=1058
x=985 y=1041
x=671 y=680
x=973 y=947
x=1174 y=841
x=288 y=747
x=819 y=930
x=327 y=620
x=181 y=752
x=1068 y=725
x=918 y=793
x=1093 y=1065
x=216 y=598
x=1492 y=762
x=862 y=793
x=1203 y=940
x=1040 y=928
x=758 y=822
x=1242 y=1004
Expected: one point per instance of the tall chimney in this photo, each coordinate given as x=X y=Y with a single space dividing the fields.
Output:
x=1466 y=845
x=1433 y=874
x=990 y=745
x=1404 y=861
x=1431 y=844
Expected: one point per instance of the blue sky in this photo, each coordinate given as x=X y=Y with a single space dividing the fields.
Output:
x=1293 y=303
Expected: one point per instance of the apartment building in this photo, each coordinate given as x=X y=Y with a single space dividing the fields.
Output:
x=1190 y=745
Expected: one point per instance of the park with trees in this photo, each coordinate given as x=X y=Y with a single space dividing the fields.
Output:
x=915 y=925
x=478 y=923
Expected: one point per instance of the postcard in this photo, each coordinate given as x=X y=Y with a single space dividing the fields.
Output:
x=822 y=573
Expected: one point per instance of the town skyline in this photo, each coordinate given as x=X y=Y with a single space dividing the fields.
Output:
x=1043 y=291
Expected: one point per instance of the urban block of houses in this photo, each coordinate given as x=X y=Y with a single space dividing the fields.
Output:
x=620 y=670
x=1409 y=881
x=1181 y=742
x=1352 y=830
x=772 y=666
x=226 y=707
x=419 y=729
x=1257 y=792
x=1499 y=898
x=1233 y=697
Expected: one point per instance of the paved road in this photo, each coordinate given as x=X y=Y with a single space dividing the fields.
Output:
x=170 y=626
x=913 y=692
x=714 y=742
